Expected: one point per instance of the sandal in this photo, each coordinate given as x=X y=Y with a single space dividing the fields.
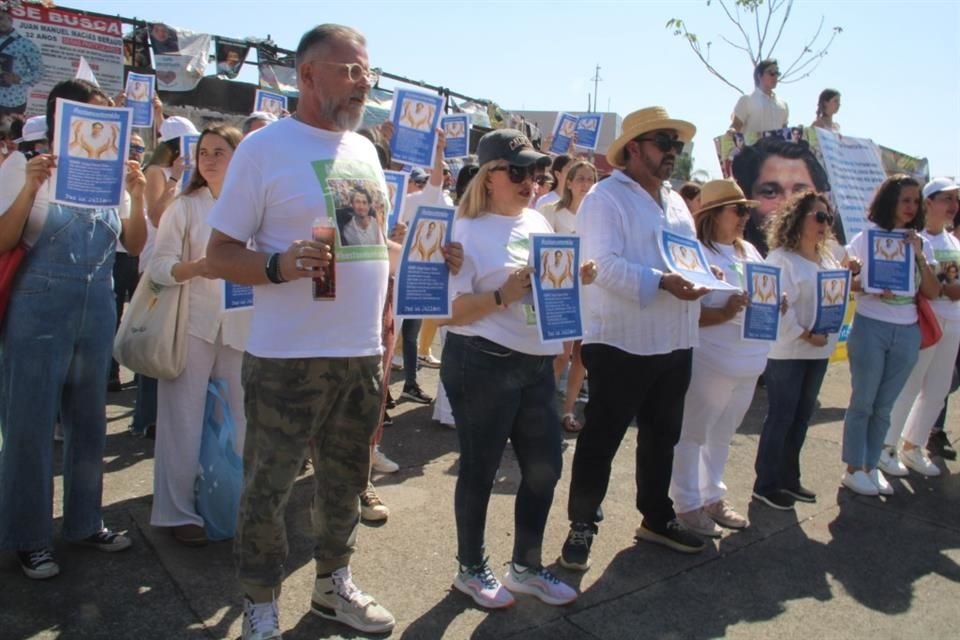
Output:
x=571 y=424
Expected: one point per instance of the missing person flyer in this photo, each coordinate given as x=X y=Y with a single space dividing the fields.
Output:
x=188 y=151
x=563 y=131
x=423 y=280
x=588 y=130
x=91 y=145
x=889 y=263
x=684 y=255
x=268 y=102
x=236 y=297
x=456 y=128
x=761 y=316
x=833 y=289
x=139 y=94
x=397 y=188
x=415 y=118
x=556 y=286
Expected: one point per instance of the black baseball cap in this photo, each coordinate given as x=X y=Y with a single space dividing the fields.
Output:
x=510 y=145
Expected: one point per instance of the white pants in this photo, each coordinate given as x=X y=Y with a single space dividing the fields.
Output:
x=180 y=406
x=919 y=404
x=713 y=409
x=442 y=411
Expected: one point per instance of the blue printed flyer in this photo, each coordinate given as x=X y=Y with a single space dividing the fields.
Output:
x=236 y=297
x=269 y=102
x=563 y=131
x=397 y=188
x=423 y=280
x=139 y=98
x=556 y=286
x=761 y=317
x=889 y=263
x=91 y=145
x=457 y=130
x=684 y=255
x=415 y=118
x=188 y=151
x=833 y=289
x=588 y=130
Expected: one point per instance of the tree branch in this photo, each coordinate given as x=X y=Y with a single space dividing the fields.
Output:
x=735 y=45
x=806 y=50
x=746 y=38
x=783 y=23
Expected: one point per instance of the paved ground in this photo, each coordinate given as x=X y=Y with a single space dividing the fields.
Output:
x=846 y=567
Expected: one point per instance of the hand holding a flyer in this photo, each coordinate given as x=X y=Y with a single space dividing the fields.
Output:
x=136 y=180
x=681 y=288
x=517 y=286
x=453 y=256
x=39 y=169
x=589 y=271
x=735 y=304
x=816 y=339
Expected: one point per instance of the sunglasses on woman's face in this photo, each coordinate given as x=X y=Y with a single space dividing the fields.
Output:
x=518 y=174
x=741 y=210
x=664 y=142
x=823 y=217
x=542 y=180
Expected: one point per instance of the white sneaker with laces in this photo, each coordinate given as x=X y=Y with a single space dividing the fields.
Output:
x=261 y=621
x=859 y=482
x=336 y=597
x=541 y=583
x=917 y=460
x=890 y=464
x=479 y=583
x=884 y=487
x=383 y=464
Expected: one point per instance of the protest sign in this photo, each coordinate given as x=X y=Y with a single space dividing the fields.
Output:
x=563 y=131
x=397 y=188
x=236 y=297
x=457 y=130
x=423 y=279
x=684 y=255
x=761 y=316
x=556 y=286
x=833 y=293
x=180 y=56
x=269 y=102
x=889 y=264
x=415 y=118
x=139 y=98
x=588 y=130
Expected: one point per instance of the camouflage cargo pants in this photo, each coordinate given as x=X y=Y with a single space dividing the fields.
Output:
x=336 y=403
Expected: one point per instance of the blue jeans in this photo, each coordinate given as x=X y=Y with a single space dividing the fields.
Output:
x=792 y=389
x=54 y=357
x=145 y=410
x=882 y=355
x=496 y=394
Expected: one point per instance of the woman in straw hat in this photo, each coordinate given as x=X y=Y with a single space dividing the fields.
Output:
x=724 y=372
x=798 y=237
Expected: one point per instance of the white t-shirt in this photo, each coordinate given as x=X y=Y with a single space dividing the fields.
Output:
x=278 y=183
x=429 y=196
x=495 y=246
x=898 y=309
x=798 y=280
x=147 y=254
x=562 y=220
x=759 y=112
x=721 y=344
x=946 y=250
x=546 y=199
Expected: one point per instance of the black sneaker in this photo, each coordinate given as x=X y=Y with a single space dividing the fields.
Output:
x=387 y=419
x=391 y=403
x=673 y=535
x=415 y=393
x=776 y=499
x=576 y=550
x=114 y=386
x=106 y=540
x=801 y=494
x=938 y=444
x=38 y=564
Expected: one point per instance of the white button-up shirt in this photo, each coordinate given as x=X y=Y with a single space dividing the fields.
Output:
x=619 y=224
x=760 y=112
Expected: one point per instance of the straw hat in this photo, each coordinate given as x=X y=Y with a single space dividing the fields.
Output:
x=720 y=193
x=644 y=121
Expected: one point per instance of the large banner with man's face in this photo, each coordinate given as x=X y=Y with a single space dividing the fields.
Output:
x=41 y=46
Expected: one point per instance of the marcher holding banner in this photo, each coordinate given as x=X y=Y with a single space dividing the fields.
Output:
x=884 y=342
x=724 y=371
x=55 y=353
x=215 y=341
x=923 y=395
x=797 y=363
x=493 y=350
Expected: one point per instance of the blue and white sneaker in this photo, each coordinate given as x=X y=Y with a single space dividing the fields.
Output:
x=539 y=582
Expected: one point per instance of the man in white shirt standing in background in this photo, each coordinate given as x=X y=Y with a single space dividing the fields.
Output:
x=762 y=110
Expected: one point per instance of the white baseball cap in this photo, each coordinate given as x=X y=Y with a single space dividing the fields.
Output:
x=176 y=127
x=34 y=129
x=930 y=189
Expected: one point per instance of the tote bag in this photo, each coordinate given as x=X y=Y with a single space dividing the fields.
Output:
x=152 y=338
x=930 y=331
x=219 y=482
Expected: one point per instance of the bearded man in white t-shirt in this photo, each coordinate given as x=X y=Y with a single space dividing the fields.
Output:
x=312 y=370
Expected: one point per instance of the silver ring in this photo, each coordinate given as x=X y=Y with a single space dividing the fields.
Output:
x=299 y=263
x=300 y=251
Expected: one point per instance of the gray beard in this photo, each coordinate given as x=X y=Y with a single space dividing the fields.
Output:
x=340 y=115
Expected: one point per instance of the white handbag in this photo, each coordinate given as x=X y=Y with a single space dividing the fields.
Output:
x=152 y=338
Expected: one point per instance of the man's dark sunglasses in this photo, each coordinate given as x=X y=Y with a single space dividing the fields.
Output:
x=664 y=142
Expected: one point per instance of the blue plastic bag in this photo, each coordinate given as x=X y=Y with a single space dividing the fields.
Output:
x=220 y=478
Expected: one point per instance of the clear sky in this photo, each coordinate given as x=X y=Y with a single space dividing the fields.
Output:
x=897 y=64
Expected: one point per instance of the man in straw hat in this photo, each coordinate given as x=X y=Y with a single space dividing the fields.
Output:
x=641 y=323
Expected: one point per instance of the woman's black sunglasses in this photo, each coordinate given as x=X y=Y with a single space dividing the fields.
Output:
x=518 y=174
x=822 y=217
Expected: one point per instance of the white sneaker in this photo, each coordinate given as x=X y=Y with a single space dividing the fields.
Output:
x=884 y=487
x=541 y=583
x=336 y=597
x=261 y=621
x=397 y=363
x=859 y=482
x=479 y=583
x=700 y=523
x=917 y=460
x=890 y=464
x=383 y=464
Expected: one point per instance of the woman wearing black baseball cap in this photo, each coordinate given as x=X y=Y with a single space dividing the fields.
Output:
x=499 y=376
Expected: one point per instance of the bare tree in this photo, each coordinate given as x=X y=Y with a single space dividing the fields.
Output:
x=760 y=24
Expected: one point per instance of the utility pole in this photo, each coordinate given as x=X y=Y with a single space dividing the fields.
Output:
x=596 y=80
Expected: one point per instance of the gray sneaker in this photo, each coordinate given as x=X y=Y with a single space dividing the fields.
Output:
x=336 y=597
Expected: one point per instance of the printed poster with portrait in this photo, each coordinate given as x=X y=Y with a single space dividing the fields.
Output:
x=889 y=264
x=415 y=117
x=833 y=294
x=188 y=151
x=556 y=286
x=423 y=279
x=588 y=130
x=273 y=103
x=457 y=130
x=231 y=55
x=90 y=143
x=357 y=205
x=180 y=56
x=761 y=317
x=46 y=47
x=396 y=191
x=685 y=256
x=139 y=98
x=564 y=129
